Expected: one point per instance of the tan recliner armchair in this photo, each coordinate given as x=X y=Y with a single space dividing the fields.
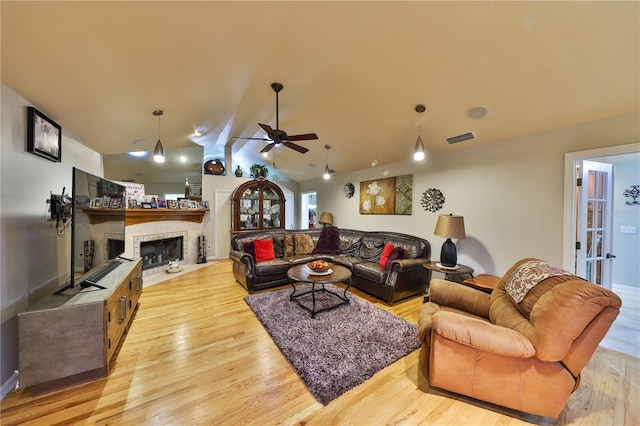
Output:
x=526 y=356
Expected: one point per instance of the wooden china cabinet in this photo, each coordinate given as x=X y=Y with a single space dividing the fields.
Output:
x=257 y=204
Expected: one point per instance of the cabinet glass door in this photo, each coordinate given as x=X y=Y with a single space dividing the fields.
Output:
x=271 y=208
x=250 y=208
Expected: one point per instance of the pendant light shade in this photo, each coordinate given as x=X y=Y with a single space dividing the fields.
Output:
x=418 y=150
x=158 y=151
x=327 y=170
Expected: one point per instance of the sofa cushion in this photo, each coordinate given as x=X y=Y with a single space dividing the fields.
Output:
x=273 y=267
x=328 y=241
x=264 y=250
x=278 y=245
x=303 y=243
x=384 y=256
x=372 y=271
x=288 y=245
x=370 y=249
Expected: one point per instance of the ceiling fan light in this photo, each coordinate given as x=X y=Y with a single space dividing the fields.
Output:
x=158 y=153
x=418 y=150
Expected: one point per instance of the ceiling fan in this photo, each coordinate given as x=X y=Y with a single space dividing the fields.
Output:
x=277 y=136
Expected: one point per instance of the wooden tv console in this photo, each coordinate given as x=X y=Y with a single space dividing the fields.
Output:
x=72 y=337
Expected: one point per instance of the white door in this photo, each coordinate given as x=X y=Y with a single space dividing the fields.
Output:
x=594 y=222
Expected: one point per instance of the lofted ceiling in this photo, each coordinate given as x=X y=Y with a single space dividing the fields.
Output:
x=353 y=72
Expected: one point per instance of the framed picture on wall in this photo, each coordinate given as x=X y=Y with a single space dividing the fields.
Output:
x=44 y=136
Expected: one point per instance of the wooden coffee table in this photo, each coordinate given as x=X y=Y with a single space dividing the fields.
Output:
x=302 y=274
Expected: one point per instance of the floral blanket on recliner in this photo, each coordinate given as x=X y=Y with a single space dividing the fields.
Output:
x=528 y=275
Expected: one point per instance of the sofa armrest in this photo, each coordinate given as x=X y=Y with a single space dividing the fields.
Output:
x=403 y=265
x=242 y=257
x=482 y=335
x=456 y=295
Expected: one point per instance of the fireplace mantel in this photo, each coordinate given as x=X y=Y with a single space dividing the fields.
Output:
x=136 y=216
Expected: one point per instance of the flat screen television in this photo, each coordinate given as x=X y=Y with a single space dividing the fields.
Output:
x=97 y=228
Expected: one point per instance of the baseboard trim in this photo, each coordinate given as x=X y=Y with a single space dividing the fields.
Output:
x=9 y=385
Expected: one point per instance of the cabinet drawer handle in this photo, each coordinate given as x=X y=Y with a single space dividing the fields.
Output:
x=123 y=300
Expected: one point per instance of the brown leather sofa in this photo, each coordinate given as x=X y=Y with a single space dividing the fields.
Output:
x=526 y=356
x=359 y=251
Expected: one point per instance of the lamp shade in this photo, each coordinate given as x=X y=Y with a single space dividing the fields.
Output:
x=158 y=152
x=450 y=226
x=326 y=218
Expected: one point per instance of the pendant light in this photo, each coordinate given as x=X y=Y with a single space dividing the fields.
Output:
x=158 y=151
x=418 y=150
x=327 y=170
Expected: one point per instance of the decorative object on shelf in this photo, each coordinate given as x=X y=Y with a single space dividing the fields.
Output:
x=326 y=218
x=349 y=190
x=44 y=136
x=238 y=172
x=392 y=195
x=259 y=171
x=418 y=149
x=213 y=167
x=449 y=226
x=632 y=192
x=158 y=151
x=432 y=200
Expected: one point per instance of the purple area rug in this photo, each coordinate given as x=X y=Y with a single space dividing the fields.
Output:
x=340 y=348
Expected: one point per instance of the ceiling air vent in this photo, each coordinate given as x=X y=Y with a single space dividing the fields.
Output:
x=460 y=138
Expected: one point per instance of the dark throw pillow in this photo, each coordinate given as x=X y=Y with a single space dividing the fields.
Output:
x=396 y=253
x=248 y=248
x=328 y=241
x=264 y=250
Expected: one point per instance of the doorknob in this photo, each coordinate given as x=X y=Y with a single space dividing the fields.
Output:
x=610 y=256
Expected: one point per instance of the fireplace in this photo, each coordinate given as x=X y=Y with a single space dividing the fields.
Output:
x=156 y=250
x=159 y=252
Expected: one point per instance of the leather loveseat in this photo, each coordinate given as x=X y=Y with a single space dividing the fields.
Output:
x=524 y=345
x=359 y=251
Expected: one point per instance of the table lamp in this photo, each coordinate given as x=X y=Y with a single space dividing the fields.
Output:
x=449 y=226
x=326 y=218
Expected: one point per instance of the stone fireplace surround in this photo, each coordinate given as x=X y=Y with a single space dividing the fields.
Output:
x=150 y=231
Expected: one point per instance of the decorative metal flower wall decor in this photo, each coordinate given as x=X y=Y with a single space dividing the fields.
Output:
x=349 y=190
x=432 y=200
x=634 y=193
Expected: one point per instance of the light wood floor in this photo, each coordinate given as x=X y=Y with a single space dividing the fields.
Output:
x=196 y=354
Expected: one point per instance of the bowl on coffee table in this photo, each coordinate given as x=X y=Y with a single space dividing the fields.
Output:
x=319 y=266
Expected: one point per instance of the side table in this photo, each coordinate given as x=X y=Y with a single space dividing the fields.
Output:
x=457 y=275
x=450 y=274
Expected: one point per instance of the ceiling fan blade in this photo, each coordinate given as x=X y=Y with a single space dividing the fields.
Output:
x=269 y=130
x=298 y=148
x=304 y=137
x=250 y=139
x=268 y=148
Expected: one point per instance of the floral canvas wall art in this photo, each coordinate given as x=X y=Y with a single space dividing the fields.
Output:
x=392 y=195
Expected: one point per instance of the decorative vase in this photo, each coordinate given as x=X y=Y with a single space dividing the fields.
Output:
x=238 y=172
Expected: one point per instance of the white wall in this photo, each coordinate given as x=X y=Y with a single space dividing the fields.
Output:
x=33 y=258
x=510 y=193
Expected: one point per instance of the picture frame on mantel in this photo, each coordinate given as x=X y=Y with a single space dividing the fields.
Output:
x=44 y=136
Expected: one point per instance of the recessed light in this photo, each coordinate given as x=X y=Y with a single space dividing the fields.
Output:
x=137 y=153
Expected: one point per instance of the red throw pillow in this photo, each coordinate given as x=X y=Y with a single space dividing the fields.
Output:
x=264 y=250
x=384 y=256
